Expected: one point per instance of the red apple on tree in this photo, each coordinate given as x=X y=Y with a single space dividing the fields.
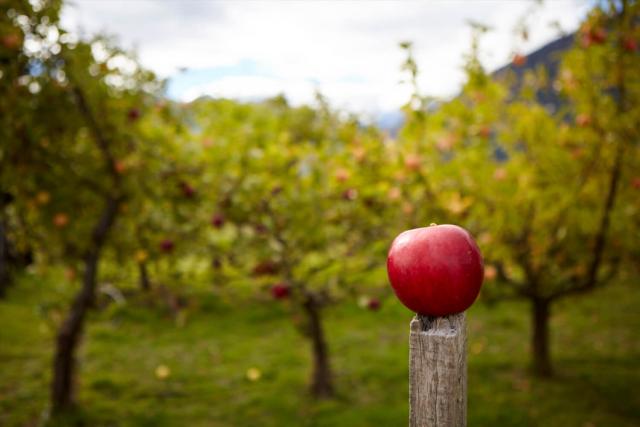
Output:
x=280 y=290
x=133 y=114
x=187 y=190
x=167 y=246
x=217 y=220
x=490 y=272
x=61 y=220
x=484 y=131
x=359 y=153
x=395 y=193
x=261 y=229
x=500 y=174
x=12 y=41
x=593 y=36
x=342 y=175
x=350 y=194
x=598 y=35
x=630 y=44
x=413 y=162
x=436 y=270
x=265 y=268
x=519 y=60
x=119 y=166
x=70 y=274
x=583 y=120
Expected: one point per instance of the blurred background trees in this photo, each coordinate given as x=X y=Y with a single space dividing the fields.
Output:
x=299 y=204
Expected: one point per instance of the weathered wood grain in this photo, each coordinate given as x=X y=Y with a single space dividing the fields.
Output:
x=438 y=372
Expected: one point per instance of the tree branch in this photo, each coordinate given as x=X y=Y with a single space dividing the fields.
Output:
x=591 y=280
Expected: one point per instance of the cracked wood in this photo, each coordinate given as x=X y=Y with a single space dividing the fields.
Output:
x=438 y=371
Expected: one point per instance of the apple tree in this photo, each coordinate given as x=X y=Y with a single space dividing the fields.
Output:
x=548 y=192
x=298 y=190
x=74 y=107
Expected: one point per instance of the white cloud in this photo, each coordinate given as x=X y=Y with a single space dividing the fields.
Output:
x=348 y=50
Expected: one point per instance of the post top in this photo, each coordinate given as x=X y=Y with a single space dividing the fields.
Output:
x=446 y=325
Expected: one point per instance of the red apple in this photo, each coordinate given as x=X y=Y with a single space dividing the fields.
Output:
x=70 y=274
x=373 y=304
x=187 y=190
x=12 y=41
x=265 y=268
x=407 y=208
x=261 y=229
x=577 y=153
x=446 y=142
x=500 y=174
x=350 y=194
x=342 y=175
x=359 y=153
x=412 y=162
x=591 y=36
x=133 y=114
x=519 y=60
x=280 y=291
x=630 y=44
x=478 y=96
x=598 y=35
x=490 y=272
x=484 y=131
x=167 y=246
x=120 y=166
x=583 y=120
x=61 y=220
x=635 y=183
x=217 y=220
x=395 y=193
x=436 y=270
x=585 y=40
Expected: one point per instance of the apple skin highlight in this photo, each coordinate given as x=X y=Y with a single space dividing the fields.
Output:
x=436 y=270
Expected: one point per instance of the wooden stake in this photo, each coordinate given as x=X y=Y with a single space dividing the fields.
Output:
x=438 y=372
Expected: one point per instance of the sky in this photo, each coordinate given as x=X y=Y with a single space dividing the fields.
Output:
x=347 y=50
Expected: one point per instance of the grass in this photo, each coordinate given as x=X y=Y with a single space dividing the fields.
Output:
x=596 y=351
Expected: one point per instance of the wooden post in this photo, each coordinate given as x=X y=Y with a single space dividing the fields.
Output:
x=438 y=371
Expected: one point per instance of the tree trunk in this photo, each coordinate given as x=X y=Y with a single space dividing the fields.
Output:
x=540 y=337
x=145 y=284
x=62 y=387
x=321 y=381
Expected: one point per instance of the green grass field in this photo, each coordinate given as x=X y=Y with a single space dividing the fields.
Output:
x=596 y=349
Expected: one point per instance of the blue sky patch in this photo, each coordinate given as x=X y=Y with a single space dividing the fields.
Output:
x=183 y=81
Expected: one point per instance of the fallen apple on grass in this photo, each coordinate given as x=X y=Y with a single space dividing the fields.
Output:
x=373 y=304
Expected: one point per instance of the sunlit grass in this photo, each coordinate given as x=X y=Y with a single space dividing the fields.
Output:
x=138 y=367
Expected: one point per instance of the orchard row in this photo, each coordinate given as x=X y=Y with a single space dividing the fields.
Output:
x=100 y=170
